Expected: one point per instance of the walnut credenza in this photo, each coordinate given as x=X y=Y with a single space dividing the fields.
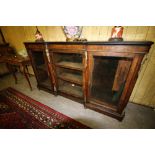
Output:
x=100 y=75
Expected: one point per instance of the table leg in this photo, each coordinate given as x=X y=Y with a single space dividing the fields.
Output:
x=24 y=69
x=20 y=69
x=27 y=70
x=12 y=71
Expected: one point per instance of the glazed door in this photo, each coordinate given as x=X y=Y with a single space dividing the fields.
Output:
x=41 y=70
x=69 y=72
x=107 y=77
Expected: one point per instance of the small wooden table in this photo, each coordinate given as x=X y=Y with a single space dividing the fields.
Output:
x=19 y=62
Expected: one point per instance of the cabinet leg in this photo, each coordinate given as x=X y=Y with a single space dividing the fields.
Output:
x=11 y=70
x=27 y=70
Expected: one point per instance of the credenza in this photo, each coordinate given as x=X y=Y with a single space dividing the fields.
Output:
x=100 y=75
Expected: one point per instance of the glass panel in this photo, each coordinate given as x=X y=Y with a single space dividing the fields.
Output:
x=41 y=69
x=108 y=78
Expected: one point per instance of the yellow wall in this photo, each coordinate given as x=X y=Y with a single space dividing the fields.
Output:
x=144 y=91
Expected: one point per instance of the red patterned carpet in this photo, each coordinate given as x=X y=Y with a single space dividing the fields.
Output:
x=18 y=111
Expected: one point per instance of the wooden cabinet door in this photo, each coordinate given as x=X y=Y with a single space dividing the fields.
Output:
x=68 y=69
x=107 y=77
x=41 y=69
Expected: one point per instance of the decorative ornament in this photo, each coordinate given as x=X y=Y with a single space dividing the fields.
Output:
x=72 y=33
x=38 y=36
x=116 y=34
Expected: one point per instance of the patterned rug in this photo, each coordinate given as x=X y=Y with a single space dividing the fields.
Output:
x=18 y=111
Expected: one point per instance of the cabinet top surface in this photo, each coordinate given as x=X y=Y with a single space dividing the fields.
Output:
x=142 y=43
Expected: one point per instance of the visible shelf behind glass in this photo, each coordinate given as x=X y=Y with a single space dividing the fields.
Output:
x=70 y=65
x=70 y=89
x=75 y=78
x=68 y=60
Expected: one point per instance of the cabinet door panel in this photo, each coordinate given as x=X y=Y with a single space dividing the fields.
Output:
x=107 y=78
x=40 y=67
x=69 y=71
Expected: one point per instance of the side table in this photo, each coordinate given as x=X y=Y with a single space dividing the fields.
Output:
x=19 y=62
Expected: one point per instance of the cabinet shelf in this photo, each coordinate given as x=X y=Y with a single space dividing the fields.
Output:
x=70 y=65
x=71 y=89
x=70 y=77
